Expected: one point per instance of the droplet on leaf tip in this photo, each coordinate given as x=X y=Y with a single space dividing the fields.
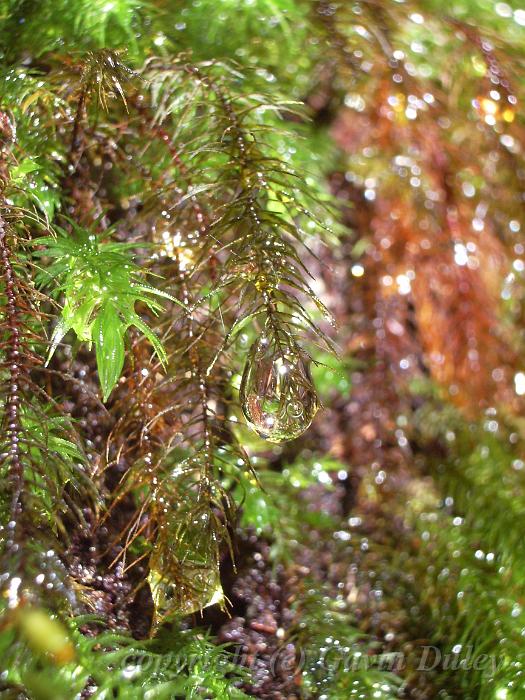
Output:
x=277 y=395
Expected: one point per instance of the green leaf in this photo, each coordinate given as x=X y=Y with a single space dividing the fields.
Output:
x=101 y=285
x=108 y=335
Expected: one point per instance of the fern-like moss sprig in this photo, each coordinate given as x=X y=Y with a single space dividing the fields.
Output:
x=101 y=286
x=42 y=465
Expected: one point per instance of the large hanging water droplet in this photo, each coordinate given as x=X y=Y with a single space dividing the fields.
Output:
x=277 y=394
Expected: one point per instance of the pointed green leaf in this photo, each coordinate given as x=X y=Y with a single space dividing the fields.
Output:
x=108 y=336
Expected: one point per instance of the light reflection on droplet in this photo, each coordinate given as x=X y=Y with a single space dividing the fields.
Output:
x=276 y=394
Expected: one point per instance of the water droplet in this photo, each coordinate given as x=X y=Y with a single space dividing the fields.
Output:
x=277 y=394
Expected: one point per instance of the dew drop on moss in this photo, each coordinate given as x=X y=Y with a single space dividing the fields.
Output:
x=277 y=395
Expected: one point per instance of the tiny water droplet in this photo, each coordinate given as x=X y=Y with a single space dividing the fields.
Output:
x=277 y=395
